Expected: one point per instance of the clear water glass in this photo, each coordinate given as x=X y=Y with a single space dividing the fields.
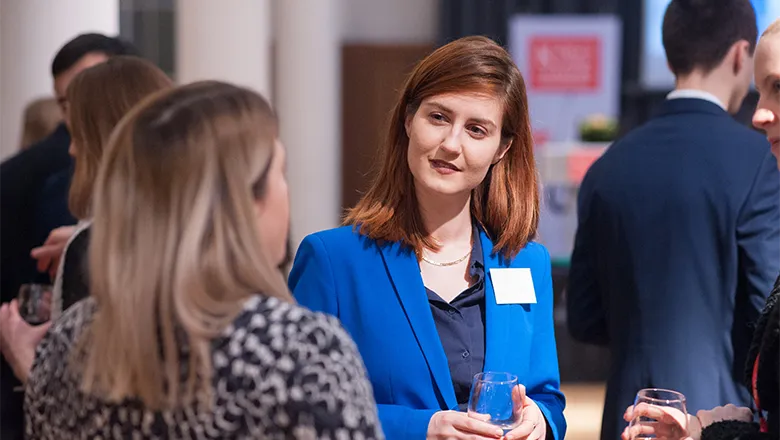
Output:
x=491 y=399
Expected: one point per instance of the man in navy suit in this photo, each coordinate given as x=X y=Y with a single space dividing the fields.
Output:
x=679 y=226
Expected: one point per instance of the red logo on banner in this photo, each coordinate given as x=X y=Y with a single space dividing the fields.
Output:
x=565 y=63
x=540 y=137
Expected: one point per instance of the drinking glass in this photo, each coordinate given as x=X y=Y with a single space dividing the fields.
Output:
x=35 y=303
x=659 y=414
x=491 y=400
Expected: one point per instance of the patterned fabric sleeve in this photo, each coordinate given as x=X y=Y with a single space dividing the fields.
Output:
x=51 y=385
x=279 y=372
x=318 y=379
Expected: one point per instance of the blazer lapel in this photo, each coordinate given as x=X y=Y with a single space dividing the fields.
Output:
x=405 y=276
x=497 y=317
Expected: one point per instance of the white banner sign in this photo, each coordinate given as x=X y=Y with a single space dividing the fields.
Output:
x=571 y=66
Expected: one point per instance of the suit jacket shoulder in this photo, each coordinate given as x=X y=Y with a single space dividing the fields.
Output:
x=344 y=242
x=535 y=251
x=342 y=235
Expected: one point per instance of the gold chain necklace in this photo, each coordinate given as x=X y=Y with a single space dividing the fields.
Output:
x=448 y=263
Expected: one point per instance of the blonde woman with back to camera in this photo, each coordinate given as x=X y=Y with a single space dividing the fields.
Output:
x=190 y=331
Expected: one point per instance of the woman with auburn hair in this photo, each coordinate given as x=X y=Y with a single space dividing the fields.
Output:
x=190 y=331
x=435 y=273
x=96 y=100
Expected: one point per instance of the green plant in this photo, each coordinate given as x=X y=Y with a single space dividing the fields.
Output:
x=598 y=128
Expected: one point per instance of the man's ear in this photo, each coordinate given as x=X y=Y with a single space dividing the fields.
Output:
x=739 y=56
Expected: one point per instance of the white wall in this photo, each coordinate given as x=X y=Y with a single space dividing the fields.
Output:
x=31 y=32
x=227 y=40
x=390 y=21
x=308 y=101
x=383 y=21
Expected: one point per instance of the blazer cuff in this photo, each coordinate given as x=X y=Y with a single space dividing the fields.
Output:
x=552 y=428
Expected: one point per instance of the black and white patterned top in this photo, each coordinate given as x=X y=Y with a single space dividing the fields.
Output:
x=280 y=372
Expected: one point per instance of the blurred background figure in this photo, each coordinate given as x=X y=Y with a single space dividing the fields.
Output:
x=678 y=238
x=126 y=80
x=762 y=370
x=34 y=185
x=41 y=118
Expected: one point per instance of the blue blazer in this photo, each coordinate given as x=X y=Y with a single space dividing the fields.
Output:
x=378 y=294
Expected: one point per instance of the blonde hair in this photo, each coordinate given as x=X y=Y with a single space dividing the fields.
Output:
x=98 y=98
x=41 y=118
x=772 y=29
x=175 y=249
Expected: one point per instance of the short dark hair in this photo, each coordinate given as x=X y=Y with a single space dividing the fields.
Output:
x=699 y=33
x=83 y=44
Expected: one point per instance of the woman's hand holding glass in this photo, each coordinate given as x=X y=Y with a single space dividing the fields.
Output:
x=457 y=425
x=672 y=422
x=533 y=425
x=658 y=414
x=18 y=339
x=499 y=399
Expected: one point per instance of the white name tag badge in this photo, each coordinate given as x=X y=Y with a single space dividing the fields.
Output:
x=513 y=286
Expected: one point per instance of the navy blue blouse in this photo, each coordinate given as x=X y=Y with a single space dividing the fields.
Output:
x=461 y=326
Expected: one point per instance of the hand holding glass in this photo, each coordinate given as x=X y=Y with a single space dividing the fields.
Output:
x=35 y=302
x=491 y=400
x=659 y=414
